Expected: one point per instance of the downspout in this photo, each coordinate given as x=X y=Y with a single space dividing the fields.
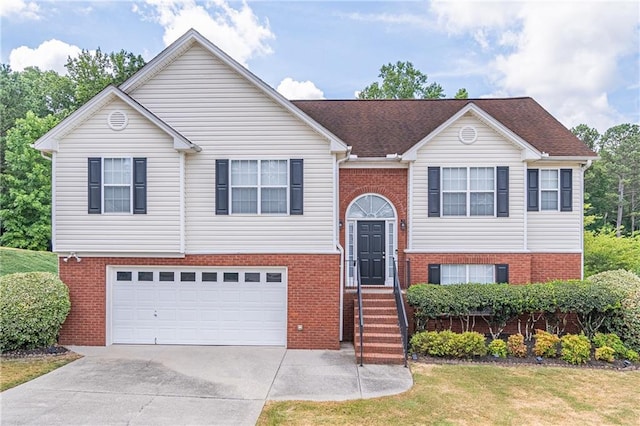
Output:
x=525 y=212
x=336 y=213
x=52 y=159
x=583 y=168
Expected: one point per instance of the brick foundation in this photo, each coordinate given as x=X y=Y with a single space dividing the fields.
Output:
x=313 y=294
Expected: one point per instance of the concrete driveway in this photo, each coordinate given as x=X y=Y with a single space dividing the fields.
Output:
x=194 y=385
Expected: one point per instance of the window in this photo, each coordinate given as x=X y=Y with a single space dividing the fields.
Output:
x=117 y=185
x=468 y=191
x=123 y=276
x=187 y=276
x=274 y=277
x=209 y=276
x=166 y=276
x=549 y=189
x=145 y=276
x=252 y=277
x=230 y=277
x=259 y=186
x=467 y=273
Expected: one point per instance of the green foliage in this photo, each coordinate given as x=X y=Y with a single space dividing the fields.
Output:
x=546 y=344
x=605 y=353
x=26 y=182
x=461 y=94
x=449 y=344
x=610 y=340
x=498 y=348
x=632 y=355
x=17 y=260
x=576 y=348
x=603 y=251
x=33 y=307
x=401 y=81
x=625 y=322
x=516 y=346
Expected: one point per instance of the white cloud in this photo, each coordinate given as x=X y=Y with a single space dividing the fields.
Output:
x=292 y=89
x=388 y=18
x=564 y=54
x=19 y=9
x=50 y=55
x=238 y=32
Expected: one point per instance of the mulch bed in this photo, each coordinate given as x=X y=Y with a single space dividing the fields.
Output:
x=617 y=365
x=54 y=350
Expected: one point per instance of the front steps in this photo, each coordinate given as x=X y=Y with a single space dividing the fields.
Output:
x=382 y=341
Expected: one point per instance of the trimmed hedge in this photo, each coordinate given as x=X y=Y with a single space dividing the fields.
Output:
x=33 y=307
x=496 y=304
x=449 y=344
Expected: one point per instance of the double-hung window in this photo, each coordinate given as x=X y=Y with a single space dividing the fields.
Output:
x=549 y=189
x=468 y=191
x=259 y=186
x=117 y=185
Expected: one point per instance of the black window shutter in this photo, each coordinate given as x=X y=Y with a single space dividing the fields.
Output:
x=502 y=273
x=139 y=186
x=532 y=190
x=296 y=188
x=502 y=193
x=94 y=180
x=222 y=186
x=566 y=190
x=434 y=273
x=433 y=177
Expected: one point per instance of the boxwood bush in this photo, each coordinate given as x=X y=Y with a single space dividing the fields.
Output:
x=33 y=307
x=446 y=343
x=576 y=348
x=625 y=322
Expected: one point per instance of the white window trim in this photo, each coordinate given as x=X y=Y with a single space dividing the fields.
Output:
x=468 y=191
x=259 y=187
x=467 y=273
x=102 y=186
x=557 y=190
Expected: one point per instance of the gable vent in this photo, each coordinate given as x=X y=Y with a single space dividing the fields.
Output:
x=117 y=120
x=468 y=135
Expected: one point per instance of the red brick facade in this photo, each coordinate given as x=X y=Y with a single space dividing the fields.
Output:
x=313 y=294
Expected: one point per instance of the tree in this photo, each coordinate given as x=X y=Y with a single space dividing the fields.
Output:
x=402 y=81
x=462 y=94
x=26 y=201
x=92 y=72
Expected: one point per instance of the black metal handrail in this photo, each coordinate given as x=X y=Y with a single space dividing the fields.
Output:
x=360 y=313
x=402 y=313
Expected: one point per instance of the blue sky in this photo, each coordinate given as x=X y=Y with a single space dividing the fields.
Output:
x=579 y=59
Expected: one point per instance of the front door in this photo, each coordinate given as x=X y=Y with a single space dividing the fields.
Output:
x=371 y=252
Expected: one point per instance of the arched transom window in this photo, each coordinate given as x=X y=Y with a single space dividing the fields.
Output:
x=371 y=207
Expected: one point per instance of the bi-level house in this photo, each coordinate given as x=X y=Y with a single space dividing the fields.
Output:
x=193 y=204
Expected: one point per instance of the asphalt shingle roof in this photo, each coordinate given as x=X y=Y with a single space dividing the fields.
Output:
x=375 y=128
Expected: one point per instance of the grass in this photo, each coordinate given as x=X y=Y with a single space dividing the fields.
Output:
x=483 y=395
x=17 y=260
x=14 y=372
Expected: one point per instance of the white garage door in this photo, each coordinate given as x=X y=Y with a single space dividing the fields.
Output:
x=198 y=306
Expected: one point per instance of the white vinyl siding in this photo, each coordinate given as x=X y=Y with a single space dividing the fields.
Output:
x=156 y=231
x=214 y=107
x=467 y=233
x=553 y=230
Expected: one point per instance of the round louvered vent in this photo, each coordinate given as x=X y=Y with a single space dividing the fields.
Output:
x=468 y=135
x=117 y=120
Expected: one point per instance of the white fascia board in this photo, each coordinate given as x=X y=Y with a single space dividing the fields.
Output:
x=572 y=158
x=49 y=142
x=191 y=36
x=529 y=152
x=374 y=163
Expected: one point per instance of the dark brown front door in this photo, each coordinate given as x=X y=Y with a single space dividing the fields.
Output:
x=371 y=252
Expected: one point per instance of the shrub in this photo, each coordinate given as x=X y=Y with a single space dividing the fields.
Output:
x=498 y=348
x=516 y=346
x=605 y=353
x=425 y=343
x=611 y=340
x=632 y=355
x=33 y=307
x=576 y=348
x=626 y=322
x=469 y=344
x=449 y=344
x=546 y=344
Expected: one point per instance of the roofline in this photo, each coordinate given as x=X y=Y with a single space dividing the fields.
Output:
x=337 y=145
x=570 y=158
x=529 y=151
x=49 y=142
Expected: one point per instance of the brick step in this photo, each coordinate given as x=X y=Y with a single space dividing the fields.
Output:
x=379 y=328
x=375 y=302
x=379 y=310
x=378 y=337
x=379 y=348
x=377 y=319
x=381 y=358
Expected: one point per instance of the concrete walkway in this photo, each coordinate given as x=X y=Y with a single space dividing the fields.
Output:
x=192 y=385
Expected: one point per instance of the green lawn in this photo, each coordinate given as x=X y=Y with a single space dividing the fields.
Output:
x=483 y=395
x=17 y=260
